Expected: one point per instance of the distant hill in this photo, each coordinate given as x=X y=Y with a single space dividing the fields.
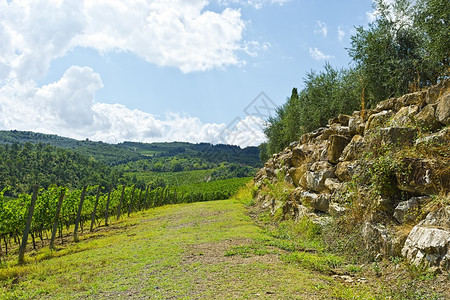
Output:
x=123 y=153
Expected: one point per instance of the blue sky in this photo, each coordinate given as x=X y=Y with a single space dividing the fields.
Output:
x=163 y=70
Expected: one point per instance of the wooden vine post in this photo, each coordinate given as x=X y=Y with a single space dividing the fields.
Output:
x=26 y=231
x=55 y=221
x=107 y=205
x=119 y=209
x=147 y=202
x=95 y=208
x=131 y=200
x=80 y=207
x=139 y=201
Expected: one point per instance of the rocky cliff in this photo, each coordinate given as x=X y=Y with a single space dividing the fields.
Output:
x=386 y=171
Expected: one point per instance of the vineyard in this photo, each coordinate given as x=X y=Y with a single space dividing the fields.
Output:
x=56 y=210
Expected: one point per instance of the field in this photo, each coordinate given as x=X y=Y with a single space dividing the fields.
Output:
x=203 y=250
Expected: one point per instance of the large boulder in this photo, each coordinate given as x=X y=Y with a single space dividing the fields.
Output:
x=426 y=119
x=441 y=137
x=319 y=172
x=428 y=243
x=443 y=109
x=297 y=173
x=417 y=98
x=337 y=145
x=345 y=170
x=356 y=125
x=398 y=135
x=434 y=92
x=319 y=202
x=378 y=239
x=378 y=119
x=354 y=149
x=404 y=117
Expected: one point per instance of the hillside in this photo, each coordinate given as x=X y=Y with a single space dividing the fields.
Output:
x=122 y=153
x=377 y=181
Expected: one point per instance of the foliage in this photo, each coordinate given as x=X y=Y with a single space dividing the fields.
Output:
x=406 y=46
x=23 y=165
x=326 y=94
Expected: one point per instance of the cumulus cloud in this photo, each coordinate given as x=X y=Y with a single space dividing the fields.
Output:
x=67 y=107
x=318 y=55
x=175 y=33
x=321 y=28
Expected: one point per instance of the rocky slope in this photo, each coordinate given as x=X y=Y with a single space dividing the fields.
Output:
x=386 y=171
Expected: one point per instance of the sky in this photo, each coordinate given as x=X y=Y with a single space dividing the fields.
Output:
x=164 y=70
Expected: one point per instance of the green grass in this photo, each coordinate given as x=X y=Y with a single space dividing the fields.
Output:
x=207 y=250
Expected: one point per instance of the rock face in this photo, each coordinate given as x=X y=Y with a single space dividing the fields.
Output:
x=324 y=166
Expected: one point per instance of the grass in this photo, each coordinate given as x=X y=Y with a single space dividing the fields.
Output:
x=207 y=250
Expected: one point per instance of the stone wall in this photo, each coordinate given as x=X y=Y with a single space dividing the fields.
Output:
x=330 y=170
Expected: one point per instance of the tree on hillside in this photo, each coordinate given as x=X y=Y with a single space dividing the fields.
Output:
x=397 y=54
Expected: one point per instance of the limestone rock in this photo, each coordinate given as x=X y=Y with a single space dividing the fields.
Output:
x=428 y=245
x=335 y=210
x=441 y=137
x=378 y=239
x=354 y=149
x=443 y=109
x=343 y=119
x=434 y=92
x=404 y=116
x=317 y=201
x=345 y=170
x=378 y=119
x=407 y=211
x=298 y=157
x=398 y=135
x=335 y=129
x=417 y=98
x=297 y=173
x=320 y=171
x=426 y=119
x=388 y=104
x=337 y=145
x=332 y=184
x=356 y=125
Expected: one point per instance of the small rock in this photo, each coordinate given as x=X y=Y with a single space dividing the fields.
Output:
x=408 y=211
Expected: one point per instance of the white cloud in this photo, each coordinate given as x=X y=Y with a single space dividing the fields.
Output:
x=174 y=33
x=321 y=28
x=67 y=107
x=318 y=55
x=257 y=4
x=341 y=34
